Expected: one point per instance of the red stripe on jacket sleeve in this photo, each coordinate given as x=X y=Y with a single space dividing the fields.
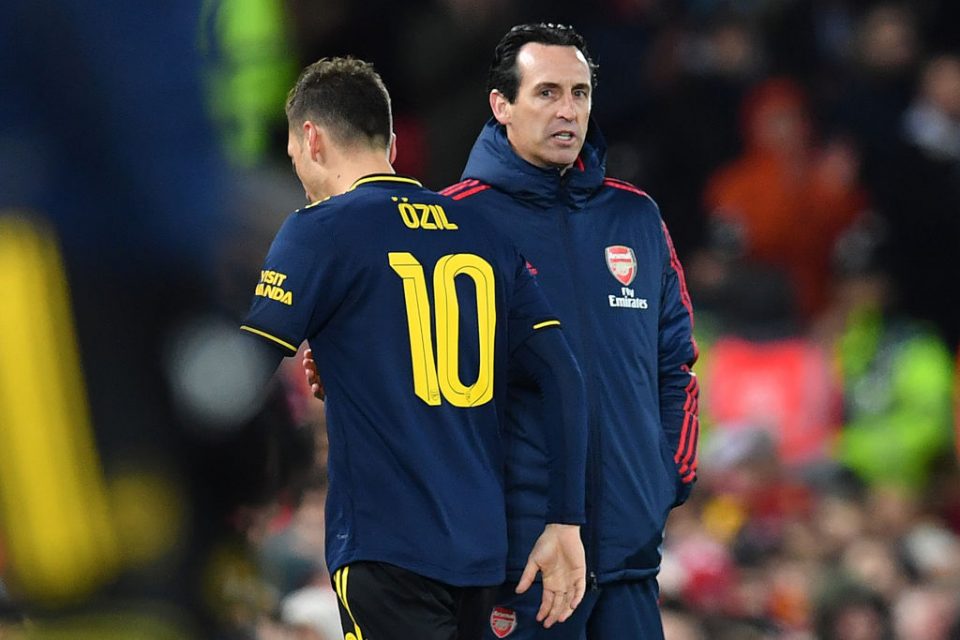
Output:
x=460 y=186
x=470 y=192
x=625 y=186
x=686 y=454
x=684 y=293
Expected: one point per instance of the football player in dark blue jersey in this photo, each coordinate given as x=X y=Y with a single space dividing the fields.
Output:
x=413 y=307
x=608 y=267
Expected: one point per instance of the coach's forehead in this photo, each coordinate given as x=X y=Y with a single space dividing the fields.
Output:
x=560 y=64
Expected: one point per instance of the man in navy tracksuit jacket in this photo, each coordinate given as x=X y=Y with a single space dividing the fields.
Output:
x=606 y=263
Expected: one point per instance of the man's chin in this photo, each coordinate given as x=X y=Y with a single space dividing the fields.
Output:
x=563 y=161
x=563 y=156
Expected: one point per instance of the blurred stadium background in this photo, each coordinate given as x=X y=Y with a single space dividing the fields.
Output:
x=805 y=155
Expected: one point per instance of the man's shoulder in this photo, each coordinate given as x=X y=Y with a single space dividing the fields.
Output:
x=465 y=189
x=627 y=189
x=626 y=197
x=321 y=223
x=343 y=209
x=307 y=219
x=316 y=210
x=472 y=198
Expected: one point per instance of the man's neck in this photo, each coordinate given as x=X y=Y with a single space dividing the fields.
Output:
x=341 y=178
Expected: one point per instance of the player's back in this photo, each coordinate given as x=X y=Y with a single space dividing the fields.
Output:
x=409 y=303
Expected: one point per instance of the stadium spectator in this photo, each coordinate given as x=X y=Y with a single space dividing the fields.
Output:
x=788 y=197
x=897 y=377
x=920 y=206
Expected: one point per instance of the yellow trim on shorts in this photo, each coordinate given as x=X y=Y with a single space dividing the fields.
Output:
x=340 y=577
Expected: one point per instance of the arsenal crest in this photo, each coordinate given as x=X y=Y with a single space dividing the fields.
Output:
x=622 y=263
x=503 y=621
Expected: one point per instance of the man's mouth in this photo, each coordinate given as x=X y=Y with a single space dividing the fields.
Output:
x=565 y=136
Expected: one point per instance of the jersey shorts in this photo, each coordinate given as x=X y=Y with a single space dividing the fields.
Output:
x=381 y=601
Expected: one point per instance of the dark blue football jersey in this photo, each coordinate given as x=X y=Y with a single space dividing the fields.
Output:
x=411 y=304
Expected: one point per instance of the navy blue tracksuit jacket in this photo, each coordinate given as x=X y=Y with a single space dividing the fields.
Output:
x=607 y=265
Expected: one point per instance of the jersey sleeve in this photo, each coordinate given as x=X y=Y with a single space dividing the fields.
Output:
x=540 y=349
x=546 y=357
x=529 y=310
x=677 y=352
x=287 y=306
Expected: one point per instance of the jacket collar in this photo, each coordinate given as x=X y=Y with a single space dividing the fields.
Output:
x=494 y=162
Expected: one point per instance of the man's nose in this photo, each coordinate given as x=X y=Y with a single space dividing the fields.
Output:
x=566 y=109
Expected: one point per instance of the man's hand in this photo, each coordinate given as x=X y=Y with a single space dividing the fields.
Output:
x=313 y=378
x=559 y=556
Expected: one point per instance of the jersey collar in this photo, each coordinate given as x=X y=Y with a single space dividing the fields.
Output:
x=383 y=177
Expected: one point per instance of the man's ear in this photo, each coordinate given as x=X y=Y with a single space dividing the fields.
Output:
x=316 y=140
x=500 y=107
x=393 y=148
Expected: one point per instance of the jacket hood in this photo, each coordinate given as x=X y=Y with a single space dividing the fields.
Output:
x=493 y=161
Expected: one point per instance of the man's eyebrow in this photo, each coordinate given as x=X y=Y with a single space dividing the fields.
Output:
x=557 y=85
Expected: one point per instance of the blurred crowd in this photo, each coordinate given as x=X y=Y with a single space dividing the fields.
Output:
x=805 y=155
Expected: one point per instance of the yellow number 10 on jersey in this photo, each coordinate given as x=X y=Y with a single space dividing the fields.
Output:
x=433 y=377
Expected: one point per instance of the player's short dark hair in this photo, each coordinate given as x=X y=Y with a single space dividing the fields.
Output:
x=347 y=97
x=504 y=75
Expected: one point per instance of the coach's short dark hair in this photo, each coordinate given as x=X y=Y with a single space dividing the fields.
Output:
x=347 y=97
x=504 y=75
